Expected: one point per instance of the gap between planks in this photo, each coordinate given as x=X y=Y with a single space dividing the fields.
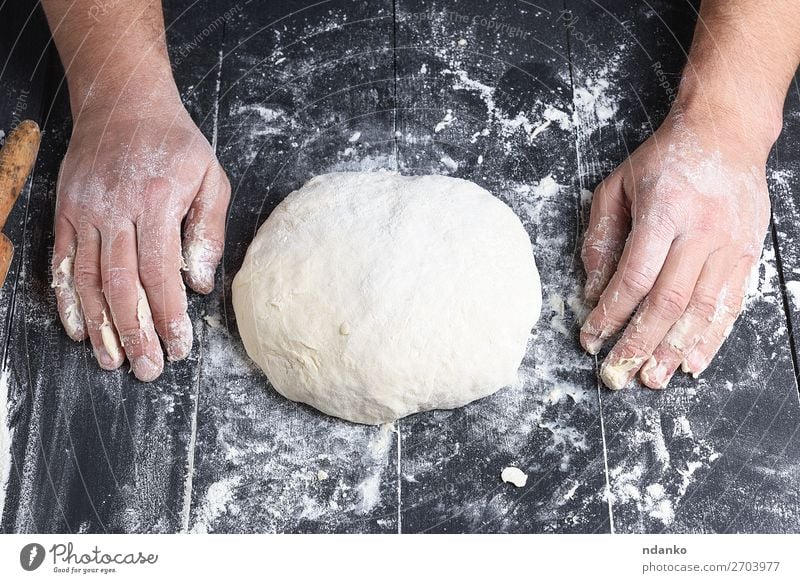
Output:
x=599 y=384
x=186 y=509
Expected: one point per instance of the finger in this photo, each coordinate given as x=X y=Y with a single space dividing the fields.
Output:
x=684 y=335
x=205 y=230
x=129 y=305
x=662 y=307
x=729 y=306
x=159 y=245
x=89 y=285
x=63 y=268
x=609 y=223
x=642 y=259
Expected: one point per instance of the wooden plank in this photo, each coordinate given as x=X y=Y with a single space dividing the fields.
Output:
x=96 y=451
x=484 y=93
x=719 y=454
x=23 y=61
x=307 y=88
x=784 y=183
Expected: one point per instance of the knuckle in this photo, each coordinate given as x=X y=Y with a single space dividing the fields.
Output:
x=703 y=305
x=133 y=339
x=705 y=225
x=637 y=282
x=752 y=254
x=670 y=303
x=151 y=273
x=171 y=322
x=605 y=190
x=119 y=286
x=156 y=186
x=86 y=275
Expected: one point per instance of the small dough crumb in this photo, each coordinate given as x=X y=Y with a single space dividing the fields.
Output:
x=344 y=329
x=514 y=476
x=213 y=321
x=322 y=475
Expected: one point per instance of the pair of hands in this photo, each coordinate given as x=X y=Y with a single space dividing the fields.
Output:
x=127 y=185
x=674 y=233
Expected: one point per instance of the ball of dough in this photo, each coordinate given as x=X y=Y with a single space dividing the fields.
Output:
x=371 y=296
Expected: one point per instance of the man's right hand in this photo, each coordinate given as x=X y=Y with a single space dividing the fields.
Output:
x=130 y=177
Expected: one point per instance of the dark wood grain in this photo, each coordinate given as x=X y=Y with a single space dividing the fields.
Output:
x=492 y=69
x=710 y=455
x=784 y=181
x=286 y=90
x=307 y=88
x=95 y=451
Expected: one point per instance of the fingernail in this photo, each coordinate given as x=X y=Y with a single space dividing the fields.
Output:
x=594 y=344
x=592 y=340
x=616 y=375
x=73 y=321
x=694 y=364
x=104 y=358
x=200 y=268
x=654 y=374
x=179 y=338
x=179 y=348
x=145 y=368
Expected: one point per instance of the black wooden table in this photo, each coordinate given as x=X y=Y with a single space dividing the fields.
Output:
x=536 y=101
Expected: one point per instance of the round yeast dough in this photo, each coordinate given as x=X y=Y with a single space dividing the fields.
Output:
x=371 y=296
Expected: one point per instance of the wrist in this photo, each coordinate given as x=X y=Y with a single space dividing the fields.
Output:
x=133 y=92
x=752 y=116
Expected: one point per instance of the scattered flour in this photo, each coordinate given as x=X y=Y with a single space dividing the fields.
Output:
x=793 y=288
x=6 y=438
x=214 y=504
x=448 y=119
x=540 y=415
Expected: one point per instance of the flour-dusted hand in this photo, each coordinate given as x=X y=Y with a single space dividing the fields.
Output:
x=126 y=184
x=137 y=170
x=673 y=236
x=676 y=230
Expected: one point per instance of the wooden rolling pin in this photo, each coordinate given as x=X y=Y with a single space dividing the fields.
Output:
x=16 y=162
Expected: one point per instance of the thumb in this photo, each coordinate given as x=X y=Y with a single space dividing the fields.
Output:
x=204 y=230
x=609 y=223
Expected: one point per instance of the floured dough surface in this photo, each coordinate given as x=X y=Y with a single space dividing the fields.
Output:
x=371 y=296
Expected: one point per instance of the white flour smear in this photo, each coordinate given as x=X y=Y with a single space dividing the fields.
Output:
x=274 y=453
x=6 y=438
